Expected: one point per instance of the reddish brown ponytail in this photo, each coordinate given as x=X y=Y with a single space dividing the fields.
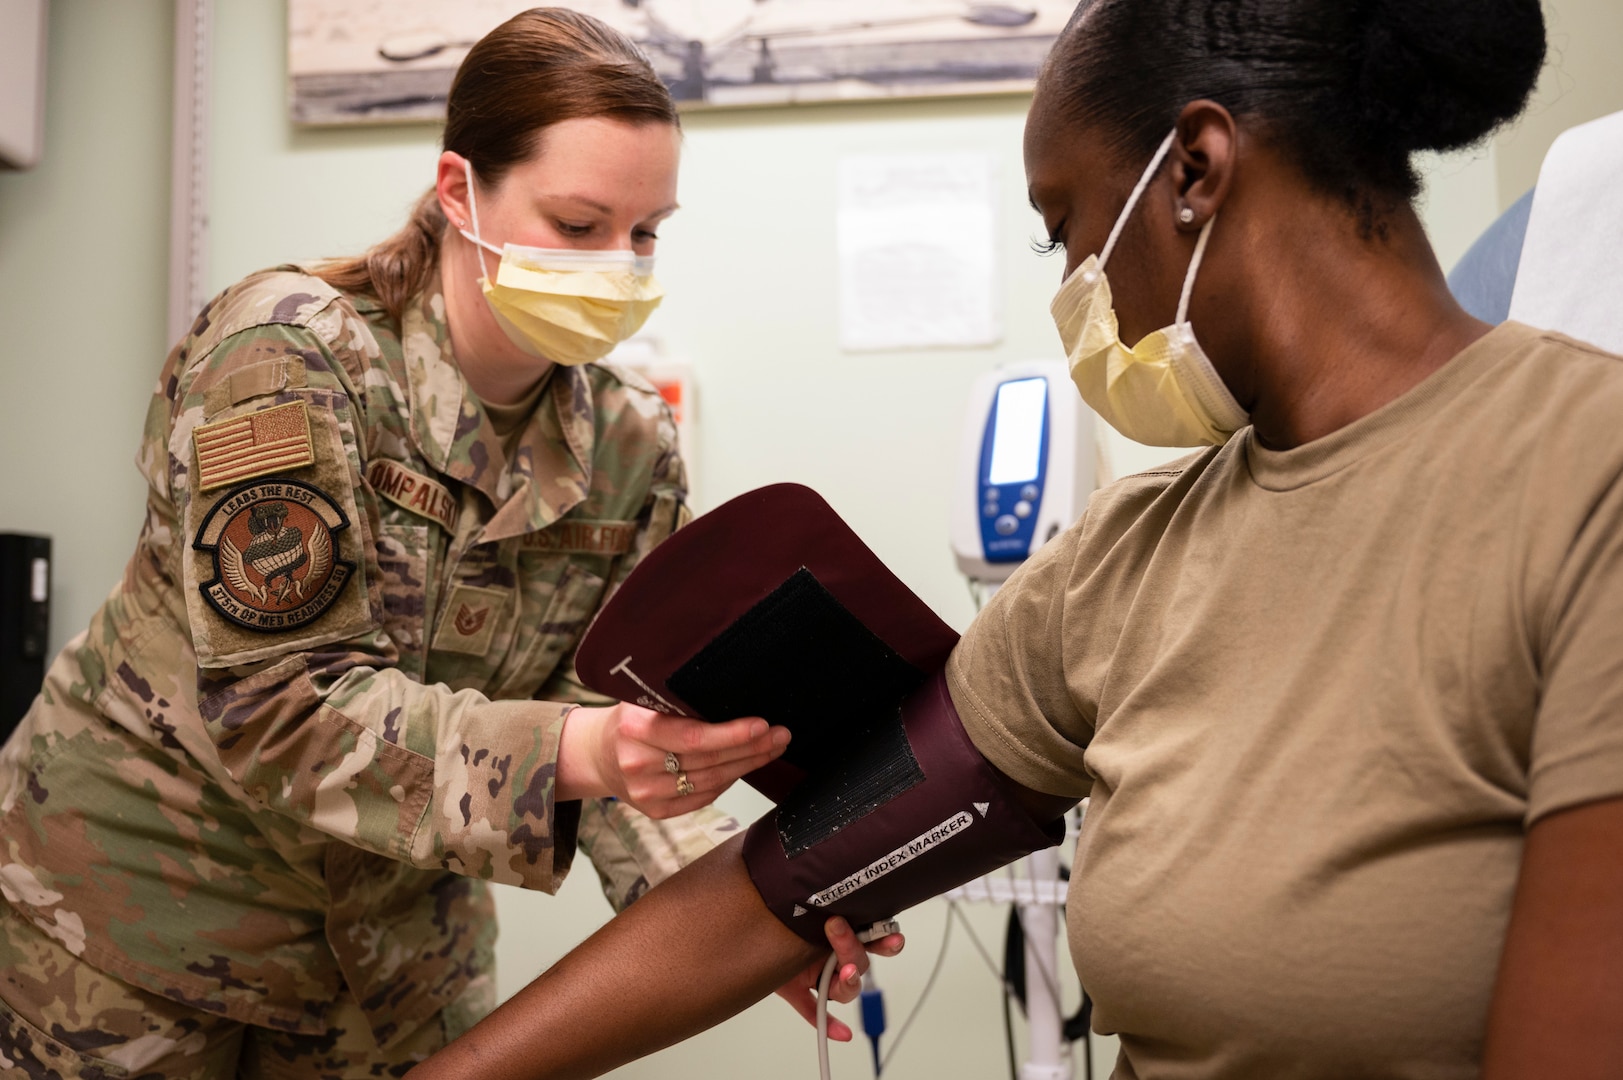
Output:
x=538 y=68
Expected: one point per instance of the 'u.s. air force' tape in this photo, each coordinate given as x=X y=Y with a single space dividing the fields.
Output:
x=771 y=606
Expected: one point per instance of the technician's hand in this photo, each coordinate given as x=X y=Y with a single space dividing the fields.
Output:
x=661 y=765
x=801 y=991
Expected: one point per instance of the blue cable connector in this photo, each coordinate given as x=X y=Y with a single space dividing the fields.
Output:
x=873 y=1015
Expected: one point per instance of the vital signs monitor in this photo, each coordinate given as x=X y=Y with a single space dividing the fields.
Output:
x=1026 y=468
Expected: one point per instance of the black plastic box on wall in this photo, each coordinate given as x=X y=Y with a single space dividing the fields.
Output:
x=25 y=622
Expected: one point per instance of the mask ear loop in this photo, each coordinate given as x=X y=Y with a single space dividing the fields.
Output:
x=1138 y=192
x=1207 y=383
x=473 y=212
x=1194 y=266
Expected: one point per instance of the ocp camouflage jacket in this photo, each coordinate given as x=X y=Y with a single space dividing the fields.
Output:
x=300 y=734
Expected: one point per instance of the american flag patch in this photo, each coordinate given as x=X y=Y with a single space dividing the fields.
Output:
x=267 y=441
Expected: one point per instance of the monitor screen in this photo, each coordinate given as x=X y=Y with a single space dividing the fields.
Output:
x=1017 y=431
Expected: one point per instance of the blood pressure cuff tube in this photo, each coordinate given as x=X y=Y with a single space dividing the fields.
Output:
x=771 y=606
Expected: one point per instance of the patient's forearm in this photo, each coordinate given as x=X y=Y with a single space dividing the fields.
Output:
x=694 y=951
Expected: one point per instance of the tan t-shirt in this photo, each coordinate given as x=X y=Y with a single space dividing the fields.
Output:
x=1317 y=697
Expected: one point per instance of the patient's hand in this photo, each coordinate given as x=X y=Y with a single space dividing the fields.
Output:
x=801 y=991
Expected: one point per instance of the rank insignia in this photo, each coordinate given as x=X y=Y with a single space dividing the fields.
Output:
x=275 y=550
x=468 y=621
x=468 y=624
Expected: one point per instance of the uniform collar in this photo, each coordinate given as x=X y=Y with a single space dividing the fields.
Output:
x=550 y=471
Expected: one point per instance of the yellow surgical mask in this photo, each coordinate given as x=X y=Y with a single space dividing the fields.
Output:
x=562 y=304
x=1161 y=392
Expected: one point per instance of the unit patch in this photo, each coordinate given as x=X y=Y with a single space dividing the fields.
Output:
x=412 y=491
x=578 y=537
x=275 y=550
x=255 y=444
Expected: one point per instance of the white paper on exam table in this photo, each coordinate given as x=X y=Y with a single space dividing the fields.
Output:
x=917 y=251
x=1571 y=273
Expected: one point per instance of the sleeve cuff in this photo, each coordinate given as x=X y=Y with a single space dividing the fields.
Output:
x=1573 y=782
x=1055 y=769
x=632 y=853
x=494 y=814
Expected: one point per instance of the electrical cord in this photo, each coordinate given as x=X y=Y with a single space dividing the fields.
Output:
x=940 y=956
x=1010 y=992
x=822 y=1014
x=1075 y=1028
x=1087 y=1035
x=872 y=1006
x=1008 y=1032
x=975 y=939
x=827 y=977
x=1018 y=917
x=873 y=933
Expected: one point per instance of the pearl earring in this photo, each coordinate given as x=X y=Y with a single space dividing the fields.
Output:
x=1186 y=215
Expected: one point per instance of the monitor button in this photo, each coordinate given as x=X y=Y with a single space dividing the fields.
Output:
x=990 y=509
x=991 y=494
x=1022 y=509
x=1006 y=525
x=1030 y=493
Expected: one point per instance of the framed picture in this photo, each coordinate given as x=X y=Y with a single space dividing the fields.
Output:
x=370 y=61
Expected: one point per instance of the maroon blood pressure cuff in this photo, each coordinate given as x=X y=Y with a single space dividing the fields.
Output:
x=771 y=606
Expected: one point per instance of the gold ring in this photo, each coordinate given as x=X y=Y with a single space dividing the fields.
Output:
x=684 y=786
x=672 y=766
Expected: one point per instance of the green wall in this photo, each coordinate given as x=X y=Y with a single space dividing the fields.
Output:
x=84 y=245
x=749 y=264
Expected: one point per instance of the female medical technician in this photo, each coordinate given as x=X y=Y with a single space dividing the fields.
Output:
x=1346 y=688
x=327 y=701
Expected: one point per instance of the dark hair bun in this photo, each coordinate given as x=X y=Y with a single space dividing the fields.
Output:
x=1350 y=88
x=1441 y=74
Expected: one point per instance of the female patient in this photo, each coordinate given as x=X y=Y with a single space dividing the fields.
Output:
x=1345 y=687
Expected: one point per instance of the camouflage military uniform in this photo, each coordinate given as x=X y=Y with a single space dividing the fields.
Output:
x=274 y=772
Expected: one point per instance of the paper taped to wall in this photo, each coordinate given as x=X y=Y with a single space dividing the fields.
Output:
x=917 y=252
